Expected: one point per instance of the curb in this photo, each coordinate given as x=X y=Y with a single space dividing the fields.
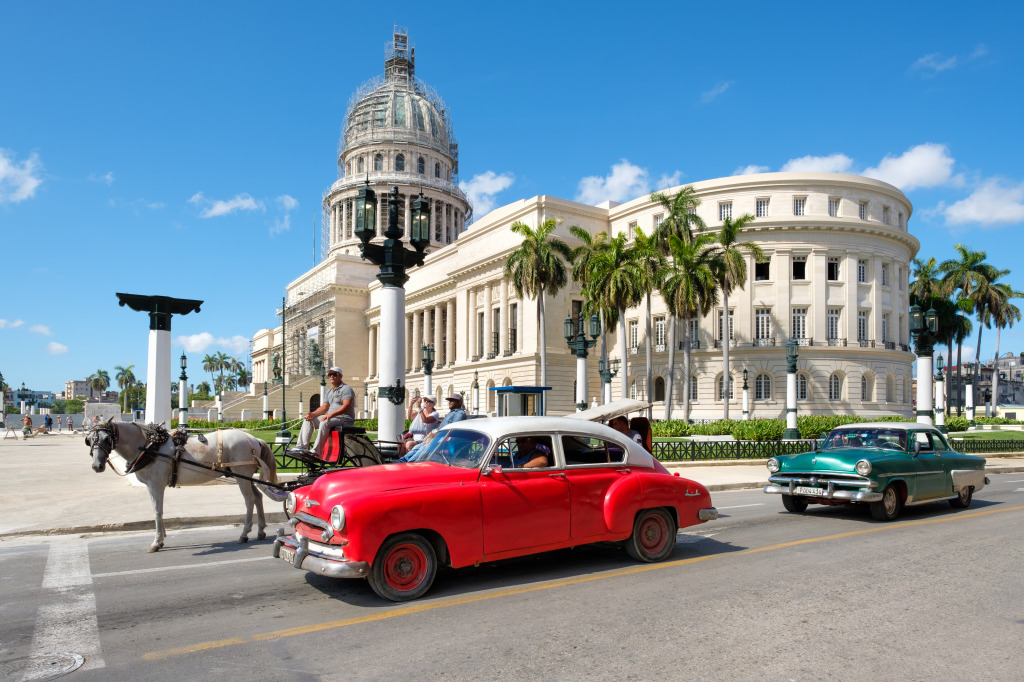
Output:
x=149 y=524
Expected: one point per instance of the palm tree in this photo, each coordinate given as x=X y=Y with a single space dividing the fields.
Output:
x=210 y=365
x=125 y=378
x=689 y=291
x=241 y=374
x=584 y=258
x=99 y=381
x=969 y=276
x=731 y=267
x=650 y=263
x=615 y=283
x=1000 y=311
x=926 y=284
x=223 y=363
x=681 y=218
x=537 y=269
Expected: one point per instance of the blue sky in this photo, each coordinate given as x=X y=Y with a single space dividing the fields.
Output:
x=183 y=148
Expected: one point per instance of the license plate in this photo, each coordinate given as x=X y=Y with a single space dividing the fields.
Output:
x=799 y=490
x=288 y=555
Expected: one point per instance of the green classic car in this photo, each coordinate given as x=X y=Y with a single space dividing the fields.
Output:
x=885 y=465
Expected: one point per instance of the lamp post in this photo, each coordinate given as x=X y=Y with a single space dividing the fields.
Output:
x=607 y=369
x=183 y=393
x=366 y=401
x=791 y=432
x=21 y=397
x=476 y=393
x=924 y=327
x=746 y=398
x=940 y=397
x=428 y=369
x=393 y=259
x=266 y=402
x=284 y=436
x=579 y=343
x=969 y=393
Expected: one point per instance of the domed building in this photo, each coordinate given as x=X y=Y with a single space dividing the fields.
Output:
x=836 y=279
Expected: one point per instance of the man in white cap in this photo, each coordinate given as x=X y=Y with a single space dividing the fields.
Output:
x=455 y=414
x=338 y=409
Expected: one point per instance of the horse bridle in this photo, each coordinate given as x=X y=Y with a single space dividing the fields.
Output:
x=112 y=432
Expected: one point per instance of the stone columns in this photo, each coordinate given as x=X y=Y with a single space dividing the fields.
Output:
x=505 y=321
x=473 y=333
x=438 y=335
x=940 y=403
x=488 y=323
x=371 y=364
x=449 y=347
x=925 y=389
x=417 y=339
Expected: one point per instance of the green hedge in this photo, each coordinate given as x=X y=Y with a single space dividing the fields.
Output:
x=954 y=423
x=810 y=426
x=997 y=421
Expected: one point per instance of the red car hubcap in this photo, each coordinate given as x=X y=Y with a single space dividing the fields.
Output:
x=405 y=567
x=653 y=534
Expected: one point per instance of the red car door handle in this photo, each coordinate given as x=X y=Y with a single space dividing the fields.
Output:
x=558 y=475
x=623 y=471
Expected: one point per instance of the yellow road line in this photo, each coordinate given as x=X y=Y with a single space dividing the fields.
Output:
x=421 y=607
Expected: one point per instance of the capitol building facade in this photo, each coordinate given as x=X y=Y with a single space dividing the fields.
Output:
x=836 y=279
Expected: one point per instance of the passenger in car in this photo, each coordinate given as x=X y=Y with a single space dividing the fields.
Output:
x=531 y=454
x=621 y=424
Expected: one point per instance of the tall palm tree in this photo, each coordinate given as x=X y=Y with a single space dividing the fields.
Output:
x=584 y=259
x=731 y=272
x=538 y=269
x=681 y=219
x=241 y=374
x=969 y=276
x=99 y=381
x=689 y=291
x=1002 y=313
x=125 y=378
x=223 y=362
x=210 y=365
x=926 y=284
x=615 y=282
x=650 y=263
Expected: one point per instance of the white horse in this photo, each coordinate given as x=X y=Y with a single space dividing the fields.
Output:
x=230 y=449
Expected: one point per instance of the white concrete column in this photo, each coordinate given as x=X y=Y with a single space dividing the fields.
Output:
x=505 y=321
x=392 y=365
x=220 y=406
x=371 y=363
x=449 y=348
x=581 y=383
x=158 y=378
x=924 y=389
x=182 y=402
x=746 y=402
x=940 y=401
x=489 y=322
x=607 y=392
x=473 y=334
x=438 y=334
x=408 y=335
x=791 y=400
x=968 y=399
x=266 y=406
x=407 y=223
x=417 y=339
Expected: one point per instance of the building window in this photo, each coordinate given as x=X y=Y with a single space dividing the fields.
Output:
x=634 y=334
x=378 y=163
x=885 y=215
x=659 y=218
x=694 y=332
x=659 y=389
x=633 y=390
x=693 y=388
x=361 y=167
x=692 y=210
x=900 y=223
x=762 y=271
x=835 y=387
x=862 y=325
x=885 y=274
x=801 y=387
x=762 y=323
x=437 y=170
x=400 y=163
x=832 y=327
x=513 y=330
x=732 y=327
x=799 y=267
x=885 y=327
x=900 y=279
x=762 y=387
x=833 y=269
x=718 y=391
x=799 y=323
x=725 y=210
x=890 y=388
x=480 y=334
x=762 y=208
x=863 y=210
x=421 y=166
x=799 y=205
x=865 y=388
x=833 y=207
x=631 y=230
x=659 y=331
x=862 y=271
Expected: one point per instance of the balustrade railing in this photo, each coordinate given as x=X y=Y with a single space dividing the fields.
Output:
x=739 y=449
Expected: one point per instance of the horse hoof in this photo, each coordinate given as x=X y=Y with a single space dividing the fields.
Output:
x=154 y=548
x=261 y=536
x=244 y=538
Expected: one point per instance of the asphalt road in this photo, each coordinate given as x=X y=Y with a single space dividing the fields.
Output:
x=759 y=594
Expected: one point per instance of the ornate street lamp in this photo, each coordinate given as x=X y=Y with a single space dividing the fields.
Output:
x=924 y=327
x=427 y=356
x=393 y=259
x=183 y=393
x=476 y=393
x=746 y=397
x=791 y=432
x=940 y=397
x=579 y=343
x=969 y=393
x=607 y=369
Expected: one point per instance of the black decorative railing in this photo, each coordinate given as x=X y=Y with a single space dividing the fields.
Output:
x=866 y=343
x=890 y=345
x=836 y=342
x=694 y=345
x=678 y=451
x=757 y=343
x=981 y=446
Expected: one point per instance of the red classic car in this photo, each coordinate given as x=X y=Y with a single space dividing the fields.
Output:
x=488 y=489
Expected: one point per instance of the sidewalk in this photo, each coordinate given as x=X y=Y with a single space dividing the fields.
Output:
x=50 y=487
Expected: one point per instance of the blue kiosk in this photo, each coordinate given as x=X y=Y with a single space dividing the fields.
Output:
x=518 y=401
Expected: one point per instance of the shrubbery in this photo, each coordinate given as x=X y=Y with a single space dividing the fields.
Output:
x=810 y=426
x=997 y=421
x=759 y=429
x=954 y=423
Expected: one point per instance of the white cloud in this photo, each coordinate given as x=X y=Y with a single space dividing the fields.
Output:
x=54 y=348
x=980 y=50
x=107 y=178
x=625 y=182
x=926 y=165
x=933 y=64
x=18 y=181
x=482 y=188
x=10 y=324
x=198 y=343
x=219 y=207
x=155 y=205
x=288 y=203
x=750 y=170
x=282 y=224
x=992 y=203
x=713 y=93
x=834 y=163
x=40 y=329
x=666 y=181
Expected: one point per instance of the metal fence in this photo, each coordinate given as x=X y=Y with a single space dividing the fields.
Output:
x=677 y=451
x=988 y=445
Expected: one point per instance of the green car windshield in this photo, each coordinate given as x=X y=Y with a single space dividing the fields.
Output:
x=457 y=447
x=888 y=439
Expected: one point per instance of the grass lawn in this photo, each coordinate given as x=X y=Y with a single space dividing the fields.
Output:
x=989 y=435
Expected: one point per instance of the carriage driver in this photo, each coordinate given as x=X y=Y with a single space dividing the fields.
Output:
x=337 y=410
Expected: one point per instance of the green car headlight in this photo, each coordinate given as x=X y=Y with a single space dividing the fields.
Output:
x=863 y=467
x=773 y=465
x=338 y=517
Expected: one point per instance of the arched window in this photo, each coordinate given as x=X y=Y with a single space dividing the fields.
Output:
x=762 y=387
x=421 y=166
x=864 y=388
x=400 y=163
x=835 y=387
x=693 y=388
x=732 y=389
x=437 y=170
x=659 y=389
x=890 y=388
x=802 y=393
x=361 y=165
x=633 y=389
x=378 y=163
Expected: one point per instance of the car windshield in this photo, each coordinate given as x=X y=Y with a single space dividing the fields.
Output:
x=457 y=447
x=889 y=439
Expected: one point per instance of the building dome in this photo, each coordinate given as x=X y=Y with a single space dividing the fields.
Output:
x=398 y=111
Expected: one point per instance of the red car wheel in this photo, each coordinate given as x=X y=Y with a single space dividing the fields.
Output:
x=654 y=536
x=404 y=568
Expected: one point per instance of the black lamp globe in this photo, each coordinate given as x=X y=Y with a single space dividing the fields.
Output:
x=366 y=213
